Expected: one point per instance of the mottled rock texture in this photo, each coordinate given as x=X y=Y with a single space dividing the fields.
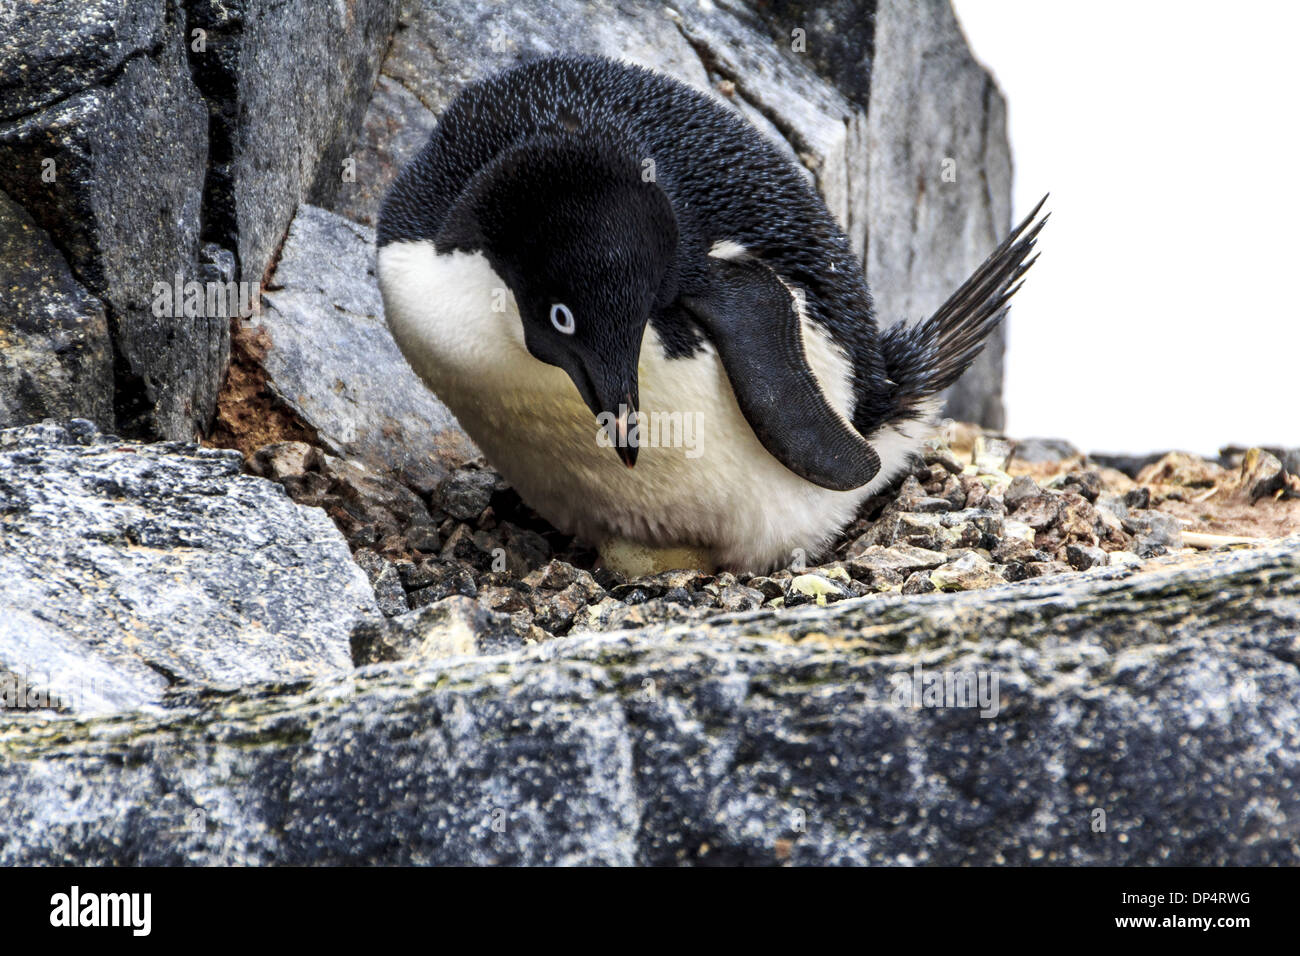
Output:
x=56 y=358
x=328 y=356
x=938 y=179
x=1138 y=719
x=133 y=133
x=113 y=172
x=127 y=569
x=286 y=83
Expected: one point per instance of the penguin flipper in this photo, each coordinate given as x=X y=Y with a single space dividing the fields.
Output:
x=752 y=320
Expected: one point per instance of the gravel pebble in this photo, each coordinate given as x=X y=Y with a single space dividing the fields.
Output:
x=945 y=525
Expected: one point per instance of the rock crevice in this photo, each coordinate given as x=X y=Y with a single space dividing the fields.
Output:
x=129 y=166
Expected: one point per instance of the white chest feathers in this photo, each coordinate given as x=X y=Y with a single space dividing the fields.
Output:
x=702 y=479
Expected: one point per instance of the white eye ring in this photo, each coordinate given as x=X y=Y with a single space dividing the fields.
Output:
x=562 y=318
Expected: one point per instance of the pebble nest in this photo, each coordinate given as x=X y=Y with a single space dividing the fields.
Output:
x=958 y=521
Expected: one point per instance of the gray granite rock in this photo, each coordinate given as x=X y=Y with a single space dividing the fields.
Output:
x=1262 y=474
x=1081 y=557
x=456 y=626
x=1104 y=718
x=56 y=358
x=932 y=221
x=396 y=126
x=1155 y=531
x=134 y=133
x=902 y=557
x=1039 y=450
x=286 y=85
x=1021 y=491
x=128 y=569
x=969 y=572
x=113 y=173
x=333 y=361
x=54 y=49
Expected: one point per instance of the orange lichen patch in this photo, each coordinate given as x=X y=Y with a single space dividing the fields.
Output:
x=1255 y=501
x=1231 y=515
x=1044 y=472
x=249 y=415
x=1184 y=470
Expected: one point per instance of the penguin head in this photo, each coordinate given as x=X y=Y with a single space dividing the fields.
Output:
x=587 y=247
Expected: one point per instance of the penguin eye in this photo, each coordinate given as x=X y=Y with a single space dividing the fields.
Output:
x=562 y=318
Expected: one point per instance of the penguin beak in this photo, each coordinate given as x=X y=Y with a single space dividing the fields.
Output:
x=617 y=415
x=612 y=398
x=626 y=412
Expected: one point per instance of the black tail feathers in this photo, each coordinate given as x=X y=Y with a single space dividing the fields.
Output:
x=924 y=359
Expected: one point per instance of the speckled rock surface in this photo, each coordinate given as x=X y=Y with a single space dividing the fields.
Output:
x=286 y=83
x=330 y=358
x=68 y=45
x=138 y=134
x=56 y=358
x=938 y=178
x=1110 y=718
x=114 y=174
x=126 y=569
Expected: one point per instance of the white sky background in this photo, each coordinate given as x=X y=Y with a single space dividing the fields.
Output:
x=1165 y=310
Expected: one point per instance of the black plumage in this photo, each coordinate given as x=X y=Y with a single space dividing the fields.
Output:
x=577 y=129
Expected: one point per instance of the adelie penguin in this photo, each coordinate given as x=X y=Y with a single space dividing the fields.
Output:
x=584 y=245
